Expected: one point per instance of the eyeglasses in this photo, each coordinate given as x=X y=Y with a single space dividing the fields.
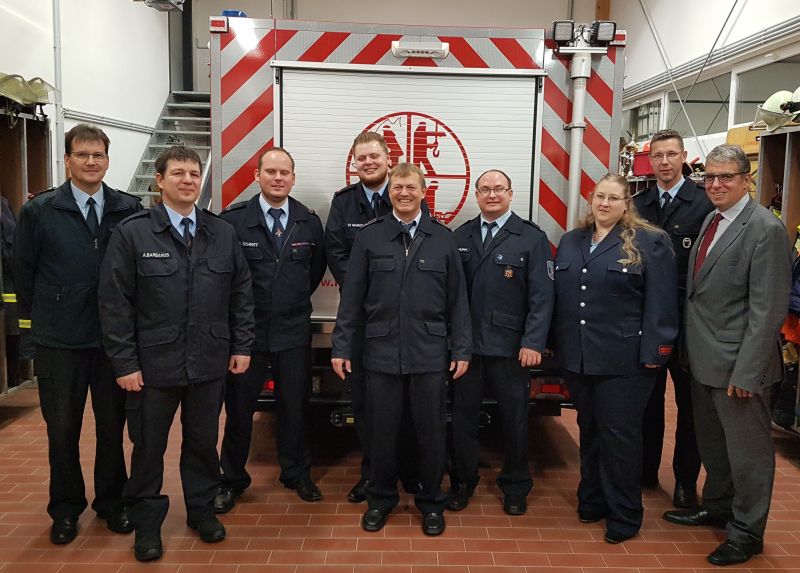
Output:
x=671 y=155
x=724 y=178
x=83 y=156
x=612 y=199
x=499 y=191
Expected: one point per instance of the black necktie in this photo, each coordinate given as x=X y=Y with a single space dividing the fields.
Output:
x=277 y=228
x=667 y=200
x=91 y=216
x=488 y=238
x=187 y=236
x=407 y=227
x=376 y=201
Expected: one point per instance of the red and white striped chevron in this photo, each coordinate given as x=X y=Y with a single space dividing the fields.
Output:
x=242 y=94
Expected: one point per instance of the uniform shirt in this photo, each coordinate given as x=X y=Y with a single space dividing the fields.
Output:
x=413 y=230
x=81 y=198
x=727 y=218
x=265 y=207
x=500 y=221
x=177 y=220
x=672 y=192
x=368 y=192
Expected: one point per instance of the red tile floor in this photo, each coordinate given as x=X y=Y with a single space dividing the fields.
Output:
x=271 y=530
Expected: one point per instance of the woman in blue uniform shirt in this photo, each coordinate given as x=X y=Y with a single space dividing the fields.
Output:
x=616 y=319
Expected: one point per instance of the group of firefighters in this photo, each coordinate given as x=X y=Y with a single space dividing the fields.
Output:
x=175 y=306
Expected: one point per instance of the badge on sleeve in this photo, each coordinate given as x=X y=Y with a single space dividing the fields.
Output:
x=551 y=270
x=687 y=243
x=665 y=350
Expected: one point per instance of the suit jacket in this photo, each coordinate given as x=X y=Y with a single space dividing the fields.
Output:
x=737 y=302
x=681 y=220
x=612 y=318
x=510 y=286
x=410 y=299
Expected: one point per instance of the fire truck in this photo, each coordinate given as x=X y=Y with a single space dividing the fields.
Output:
x=454 y=101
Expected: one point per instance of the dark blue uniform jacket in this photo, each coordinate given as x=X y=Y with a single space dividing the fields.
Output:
x=410 y=298
x=510 y=286
x=174 y=316
x=282 y=282
x=611 y=317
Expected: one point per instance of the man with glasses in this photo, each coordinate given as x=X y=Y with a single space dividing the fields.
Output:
x=405 y=288
x=60 y=242
x=737 y=296
x=679 y=207
x=509 y=273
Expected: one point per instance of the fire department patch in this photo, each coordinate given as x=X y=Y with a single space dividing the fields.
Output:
x=508 y=273
x=664 y=350
x=551 y=268
x=687 y=243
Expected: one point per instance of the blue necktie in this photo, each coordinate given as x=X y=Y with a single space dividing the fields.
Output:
x=488 y=238
x=187 y=236
x=277 y=228
x=91 y=216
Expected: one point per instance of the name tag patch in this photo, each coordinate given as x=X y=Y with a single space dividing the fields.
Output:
x=156 y=255
x=247 y=244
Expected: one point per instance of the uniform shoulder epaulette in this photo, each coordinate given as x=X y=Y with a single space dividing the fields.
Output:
x=345 y=190
x=372 y=221
x=210 y=213
x=234 y=207
x=438 y=222
x=532 y=224
x=137 y=215
x=642 y=192
x=41 y=193
x=121 y=192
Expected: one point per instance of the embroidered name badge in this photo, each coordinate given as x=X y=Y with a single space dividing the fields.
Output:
x=304 y=244
x=247 y=244
x=464 y=249
x=687 y=243
x=156 y=255
x=354 y=225
x=665 y=350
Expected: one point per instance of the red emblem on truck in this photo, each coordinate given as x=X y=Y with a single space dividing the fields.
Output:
x=425 y=141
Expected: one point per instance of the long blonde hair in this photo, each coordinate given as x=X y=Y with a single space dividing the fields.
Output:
x=630 y=222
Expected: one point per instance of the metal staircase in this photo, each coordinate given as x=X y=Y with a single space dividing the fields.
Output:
x=185 y=120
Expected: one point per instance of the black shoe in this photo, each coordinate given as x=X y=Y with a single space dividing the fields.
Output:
x=359 y=491
x=732 y=552
x=515 y=504
x=697 y=516
x=615 y=537
x=225 y=500
x=307 y=490
x=211 y=530
x=586 y=517
x=433 y=523
x=684 y=496
x=373 y=520
x=458 y=497
x=118 y=522
x=148 y=546
x=64 y=530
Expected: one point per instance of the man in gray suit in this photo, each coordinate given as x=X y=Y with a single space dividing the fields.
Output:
x=737 y=295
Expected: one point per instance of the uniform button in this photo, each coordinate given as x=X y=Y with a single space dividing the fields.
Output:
x=584 y=271
x=624 y=270
x=583 y=304
x=640 y=333
x=583 y=287
x=583 y=322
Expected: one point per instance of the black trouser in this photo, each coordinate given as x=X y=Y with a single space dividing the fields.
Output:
x=509 y=383
x=610 y=410
x=686 y=458
x=291 y=371
x=358 y=393
x=389 y=396
x=64 y=378
x=150 y=415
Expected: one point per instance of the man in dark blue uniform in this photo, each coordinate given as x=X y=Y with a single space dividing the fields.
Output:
x=406 y=289
x=283 y=243
x=509 y=273
x=679 y=207
x=352 y=208
x=177 y=312
x=60 y=242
